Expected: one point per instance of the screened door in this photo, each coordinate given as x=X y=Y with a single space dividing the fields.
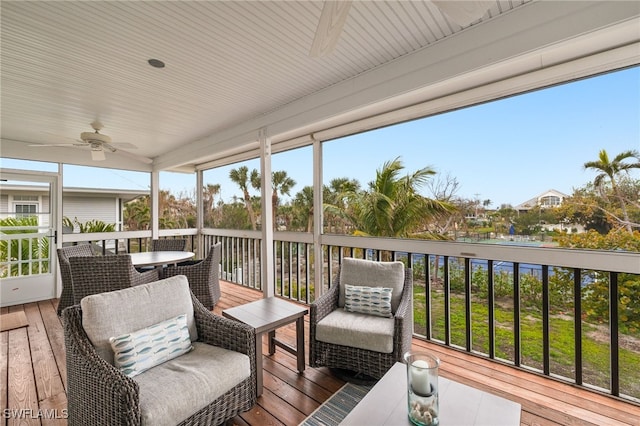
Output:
x=27 y=236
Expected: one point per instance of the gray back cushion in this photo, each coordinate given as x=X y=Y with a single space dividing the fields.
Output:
x=370 y=273
x=118 y=312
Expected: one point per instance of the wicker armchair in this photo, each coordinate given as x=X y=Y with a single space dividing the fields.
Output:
x=168 y=244
x=99 y=274
x=64 y=253
x=345 y=356
x=220 y=369
x=202 y=275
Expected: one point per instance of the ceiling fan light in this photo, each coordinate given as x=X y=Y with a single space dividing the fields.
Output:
x=97 y=155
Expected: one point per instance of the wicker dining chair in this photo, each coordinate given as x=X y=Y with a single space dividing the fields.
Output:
x=64 y=253
x=202 y=275
x=99 y=274
x=359 y=342
x=168 y=244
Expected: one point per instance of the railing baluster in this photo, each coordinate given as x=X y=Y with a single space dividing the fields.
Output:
x=491 y=307
x=330 y=267
x=307 y=274
x=545 y=319
x=577 y=323
x=467 y=305
x=427 y=304
x=613 y=331
x=447 y=305
x=517 y=344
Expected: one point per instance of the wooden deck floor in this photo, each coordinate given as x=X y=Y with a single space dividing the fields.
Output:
x=33 y=377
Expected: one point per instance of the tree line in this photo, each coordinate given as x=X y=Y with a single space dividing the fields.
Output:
x=392 y=204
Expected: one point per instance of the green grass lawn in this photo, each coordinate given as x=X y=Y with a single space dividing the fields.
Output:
x=595 y=347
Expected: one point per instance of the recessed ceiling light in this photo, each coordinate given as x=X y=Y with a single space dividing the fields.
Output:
x=156 y=63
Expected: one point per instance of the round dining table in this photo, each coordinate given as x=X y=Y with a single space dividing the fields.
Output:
x=159 y=258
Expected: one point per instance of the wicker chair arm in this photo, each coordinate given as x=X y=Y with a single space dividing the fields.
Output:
x=182 y=268
x=113 y=396
x=404 y=316
x=223 y=332
x=324 y=305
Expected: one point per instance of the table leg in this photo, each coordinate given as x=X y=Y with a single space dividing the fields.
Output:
x=272 y=342
x=300 y=343
x=258 y=364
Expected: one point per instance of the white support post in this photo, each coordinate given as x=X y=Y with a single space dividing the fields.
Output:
x=58 y=226
x=155 y=205
x=267 y=258
x=199 y=213
x=318 y=218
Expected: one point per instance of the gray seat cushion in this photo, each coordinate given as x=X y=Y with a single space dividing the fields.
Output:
x=174 y=390
x=360 y=272
x=357 y=331
x=119 y=312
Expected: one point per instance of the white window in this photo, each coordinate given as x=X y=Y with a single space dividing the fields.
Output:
x=550 y=201
x=25 y=205
x=25 y=210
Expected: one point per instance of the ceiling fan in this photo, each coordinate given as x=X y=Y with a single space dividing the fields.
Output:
x=99 y=142
x=334 y=15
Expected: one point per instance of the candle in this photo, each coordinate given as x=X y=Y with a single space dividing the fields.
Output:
x=420 y=377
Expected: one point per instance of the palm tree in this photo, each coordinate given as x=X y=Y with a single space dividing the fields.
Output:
x=241 y=177
x=209 y=193
x=611 y=169
x=393 y=207
x=26 y=248
x=303 y=204
x=137 y=214
x=335 y=197
x=281 y=184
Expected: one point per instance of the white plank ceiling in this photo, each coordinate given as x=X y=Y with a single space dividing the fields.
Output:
x=66 y=64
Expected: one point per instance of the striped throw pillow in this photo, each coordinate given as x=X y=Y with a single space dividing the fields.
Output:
x=143 y=349
x=368 y=300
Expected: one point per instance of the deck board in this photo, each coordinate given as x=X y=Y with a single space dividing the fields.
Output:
x=33 y=372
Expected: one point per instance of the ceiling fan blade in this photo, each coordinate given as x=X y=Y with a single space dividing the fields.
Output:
x=53 y=144
x=123 y=145
x=334 y=15
x=463 y=13
x=140 y=158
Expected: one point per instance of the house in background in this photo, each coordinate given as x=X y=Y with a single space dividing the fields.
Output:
x=83 y=204
x=550 y=198
x=546 y=200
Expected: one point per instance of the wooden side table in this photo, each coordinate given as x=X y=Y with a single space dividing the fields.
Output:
x=265 y=316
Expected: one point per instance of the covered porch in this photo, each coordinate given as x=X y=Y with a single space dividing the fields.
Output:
x=515 y=47
x=33 y=372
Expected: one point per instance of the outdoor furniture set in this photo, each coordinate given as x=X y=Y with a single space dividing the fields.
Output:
x=114 y=339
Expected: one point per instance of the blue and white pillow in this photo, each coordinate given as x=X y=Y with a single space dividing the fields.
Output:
x=368 y=300
x=143 y=349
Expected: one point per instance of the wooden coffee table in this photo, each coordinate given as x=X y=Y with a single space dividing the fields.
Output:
x=459 y=404
x=265 y=316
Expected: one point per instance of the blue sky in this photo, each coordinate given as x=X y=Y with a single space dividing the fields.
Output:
x=507 y=151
